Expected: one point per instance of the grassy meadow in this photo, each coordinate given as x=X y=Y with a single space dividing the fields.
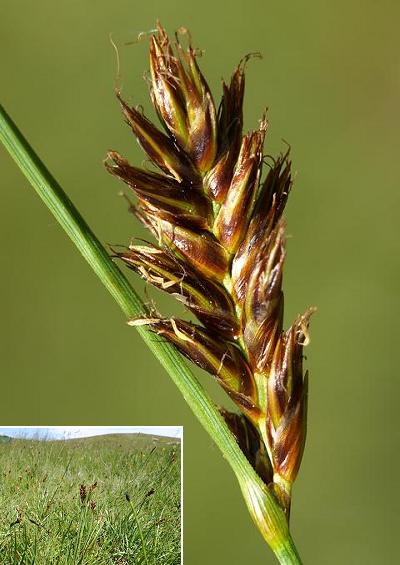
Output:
x=103 y=500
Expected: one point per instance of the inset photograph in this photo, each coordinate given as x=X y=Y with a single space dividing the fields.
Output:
x=91 y=495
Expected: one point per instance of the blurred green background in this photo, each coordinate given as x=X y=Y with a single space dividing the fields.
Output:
x=331 y=79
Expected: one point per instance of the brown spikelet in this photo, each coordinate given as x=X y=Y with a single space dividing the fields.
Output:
x=82 y=493
x=220 y=250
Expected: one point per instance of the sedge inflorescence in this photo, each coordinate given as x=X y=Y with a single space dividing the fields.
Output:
x=220 y=250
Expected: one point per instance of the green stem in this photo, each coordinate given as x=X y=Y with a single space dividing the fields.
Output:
x=287 y=553
x=135 y=514
x=267 y=513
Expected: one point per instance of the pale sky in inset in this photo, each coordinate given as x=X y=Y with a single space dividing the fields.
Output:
x=70 y=432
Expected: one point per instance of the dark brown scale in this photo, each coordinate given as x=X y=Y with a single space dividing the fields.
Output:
x=250 y=443
x=200 y=248
x=221 y=359
x=185 y=203
x=208 y=300
x=162 y=151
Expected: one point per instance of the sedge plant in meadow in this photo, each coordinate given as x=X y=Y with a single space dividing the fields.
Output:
x=111 y=499
x=219 y=249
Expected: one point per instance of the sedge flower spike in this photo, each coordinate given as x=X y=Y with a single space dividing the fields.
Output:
x=220 y=250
